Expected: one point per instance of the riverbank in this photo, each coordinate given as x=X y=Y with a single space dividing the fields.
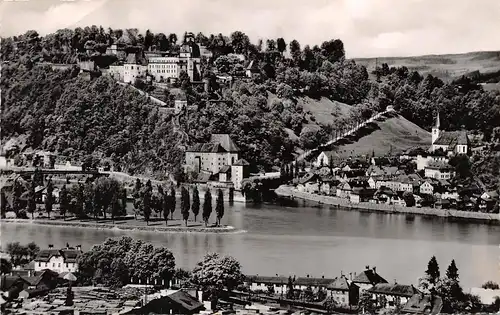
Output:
x=153 y=227
x=488 y=218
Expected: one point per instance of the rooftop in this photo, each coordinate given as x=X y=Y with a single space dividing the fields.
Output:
x=369 y=276
x=394 y=289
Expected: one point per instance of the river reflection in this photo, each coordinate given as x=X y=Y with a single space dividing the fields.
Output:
x=315 y=240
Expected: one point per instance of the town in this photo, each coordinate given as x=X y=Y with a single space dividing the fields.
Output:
x=202 y=163
x=56 y=281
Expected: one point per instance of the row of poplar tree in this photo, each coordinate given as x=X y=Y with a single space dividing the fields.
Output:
x=163 y=201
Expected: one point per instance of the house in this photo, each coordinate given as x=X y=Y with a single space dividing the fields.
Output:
x=490 y=196
x=343 y=291
x=327 y=158
x=252 y=69
x=11 y=286
x=211 y=158
x=328 y=184
x=359 y=194
x=423 y=160
x=368 y=278
x=385 y=195
x=439 y=171
x=392 y=295
x=58 y=260
x=180 y=102
x=451 y=142
x=302 y=283
x=423 y=304
x=179 y=302
x=427 y=187
x=389 y=171
x=133 y=68
x=163 y=68
x=42 y=280
x=343 y=190
x=279 y=284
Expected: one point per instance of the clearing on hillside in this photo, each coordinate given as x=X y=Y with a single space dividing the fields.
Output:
x=323 y=110
x=394 y=134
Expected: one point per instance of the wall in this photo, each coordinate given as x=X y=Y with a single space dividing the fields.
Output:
x=56 y=264
x=491 y=217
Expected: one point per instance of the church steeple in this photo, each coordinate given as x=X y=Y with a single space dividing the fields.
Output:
x=435 y=129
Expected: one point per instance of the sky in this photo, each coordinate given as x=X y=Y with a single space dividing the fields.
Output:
x=368 y=28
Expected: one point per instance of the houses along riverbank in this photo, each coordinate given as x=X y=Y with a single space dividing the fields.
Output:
x=489 y=218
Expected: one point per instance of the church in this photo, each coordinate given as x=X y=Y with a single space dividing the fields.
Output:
x=451 y=142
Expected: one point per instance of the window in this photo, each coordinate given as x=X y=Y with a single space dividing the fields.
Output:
x=59 y=265
x=53 y=264
x=67 y=265
x=39 y=264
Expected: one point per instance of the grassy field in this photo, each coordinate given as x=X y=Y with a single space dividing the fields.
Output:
x=446 y=67
x=394 y=134
x=323 y=110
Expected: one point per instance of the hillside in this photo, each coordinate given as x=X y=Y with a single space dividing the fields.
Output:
x=445 y=67
x=323 y=110
x=394 y=134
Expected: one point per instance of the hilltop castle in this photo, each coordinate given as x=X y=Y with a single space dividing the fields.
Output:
x=451 y=142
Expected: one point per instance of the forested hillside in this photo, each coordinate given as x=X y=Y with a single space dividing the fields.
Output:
x=271 y=116
x=67 y=114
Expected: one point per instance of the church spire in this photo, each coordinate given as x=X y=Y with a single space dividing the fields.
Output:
x=438 y=122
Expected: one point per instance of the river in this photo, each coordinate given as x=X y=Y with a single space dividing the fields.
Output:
x=306 y=239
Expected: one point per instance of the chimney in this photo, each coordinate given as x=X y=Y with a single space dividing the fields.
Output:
x=323 y=277
x=78 y=247
x=51 y=246
x=308 y=276
x=67 y=245
x=367 y=267
x=374 y=269
x=341 y=273
x=350 y=276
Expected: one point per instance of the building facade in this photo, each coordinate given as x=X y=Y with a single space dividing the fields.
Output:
x=451 y=142
x=58 y=260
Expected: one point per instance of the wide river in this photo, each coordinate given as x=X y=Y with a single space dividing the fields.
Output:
x=307 y=239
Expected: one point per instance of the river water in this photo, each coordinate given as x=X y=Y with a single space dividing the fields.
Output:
x=303 y=239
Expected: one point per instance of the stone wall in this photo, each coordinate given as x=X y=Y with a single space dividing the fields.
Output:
x=345 y=203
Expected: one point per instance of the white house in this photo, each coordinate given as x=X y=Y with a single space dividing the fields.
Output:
x=58 y=260
x=442 y=171
x=392 y=294
x=427 y=188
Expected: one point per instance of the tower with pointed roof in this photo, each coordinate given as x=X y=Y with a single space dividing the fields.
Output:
x=435 y=129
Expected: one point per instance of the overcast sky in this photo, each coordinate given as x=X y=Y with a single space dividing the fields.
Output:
x=367 y=27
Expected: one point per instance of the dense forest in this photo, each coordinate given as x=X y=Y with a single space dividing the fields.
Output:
x=60 y=111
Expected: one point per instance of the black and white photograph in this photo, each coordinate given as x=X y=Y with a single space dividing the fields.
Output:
x=277 y=157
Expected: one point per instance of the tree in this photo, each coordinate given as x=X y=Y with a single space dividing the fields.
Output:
x=433 y=270
x=166 y=204
x=3 y=203
x=490 y=285
x=280 y=42
x=49 y=199
x=219 y=206
x=32 y=250
x=18 y=253
x=5 y=266
x=63 y=201
x=114 y=262
x=172 y=202
x=146 y=203
x=217 y=272
x=207 y=206
x=136 y=194
x=172 y=38
x=409 y=199
x=452 y=271
x=32 y=199
x=195 y=207
x=185 y=204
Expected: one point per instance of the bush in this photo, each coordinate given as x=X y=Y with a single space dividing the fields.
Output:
x=490 y=285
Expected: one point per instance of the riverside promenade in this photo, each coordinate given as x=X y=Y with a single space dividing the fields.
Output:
x=290 y=191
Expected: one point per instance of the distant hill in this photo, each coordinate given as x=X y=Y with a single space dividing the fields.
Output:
x=394 y=134
x=445 y=67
